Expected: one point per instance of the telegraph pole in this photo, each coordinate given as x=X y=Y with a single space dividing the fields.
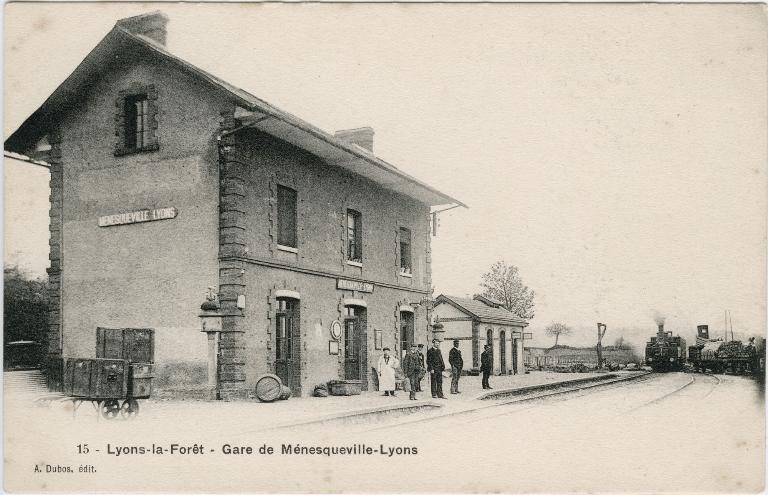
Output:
x=601 y=328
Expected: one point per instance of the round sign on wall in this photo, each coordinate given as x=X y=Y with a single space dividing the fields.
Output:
x=336 y=330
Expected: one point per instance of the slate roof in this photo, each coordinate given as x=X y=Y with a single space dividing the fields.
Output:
x=282 y=124
x=481 y=311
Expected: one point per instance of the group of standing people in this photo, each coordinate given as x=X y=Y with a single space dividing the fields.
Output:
x=415 y=367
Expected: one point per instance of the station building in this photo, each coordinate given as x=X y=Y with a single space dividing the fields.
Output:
x=478 y=321
x=166 y=180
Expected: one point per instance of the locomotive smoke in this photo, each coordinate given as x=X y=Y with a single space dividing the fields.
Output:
x=659 y=319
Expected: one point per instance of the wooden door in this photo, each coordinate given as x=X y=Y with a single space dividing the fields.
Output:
x=285 y=332
x=352 y=347
x=406 y=332
x=503 y=352
x=515 y=364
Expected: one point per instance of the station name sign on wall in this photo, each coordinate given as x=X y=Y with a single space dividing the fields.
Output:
x=344 y=284
x=139 y=216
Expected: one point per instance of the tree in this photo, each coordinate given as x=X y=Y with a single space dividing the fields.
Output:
x=25 y=306
x=556 y=329
x=503 y=283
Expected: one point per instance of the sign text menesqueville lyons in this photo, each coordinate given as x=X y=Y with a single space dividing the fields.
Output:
x=343 y=283
x=138 y=217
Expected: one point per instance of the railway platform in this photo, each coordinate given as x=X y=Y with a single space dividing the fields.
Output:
x=368 y=407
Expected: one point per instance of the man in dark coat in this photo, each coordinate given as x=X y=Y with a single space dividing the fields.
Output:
x=457 y=364
x=423 y=366
x=435 y=367
x=411 y=365
x=486 y=365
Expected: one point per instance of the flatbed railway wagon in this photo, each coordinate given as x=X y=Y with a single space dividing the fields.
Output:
x=665 y=352
x=113 y=381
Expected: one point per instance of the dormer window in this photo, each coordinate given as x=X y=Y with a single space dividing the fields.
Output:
x=136 y=120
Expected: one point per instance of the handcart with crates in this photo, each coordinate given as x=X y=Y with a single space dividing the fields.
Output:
x=115 y=380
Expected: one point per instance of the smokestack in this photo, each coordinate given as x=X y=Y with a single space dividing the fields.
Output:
x=150 y=25
x=362 y=137
x=661 y=329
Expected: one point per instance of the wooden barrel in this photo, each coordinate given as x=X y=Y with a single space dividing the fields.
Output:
x=269 y=388
x=285 y=392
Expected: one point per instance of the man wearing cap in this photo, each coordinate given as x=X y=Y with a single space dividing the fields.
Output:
x=412 y=369
x=486 y=365
x=386 y=370
x=423 y=367
x=457 y=363
x=435 y=367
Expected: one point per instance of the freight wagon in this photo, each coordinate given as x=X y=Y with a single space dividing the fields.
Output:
x=720 y=356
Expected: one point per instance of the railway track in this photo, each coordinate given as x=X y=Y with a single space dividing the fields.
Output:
x=488 y=411
x=693 y=378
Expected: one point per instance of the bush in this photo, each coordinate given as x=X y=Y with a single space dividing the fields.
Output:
x=25 y=307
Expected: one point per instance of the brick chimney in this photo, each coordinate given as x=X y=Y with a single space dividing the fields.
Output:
x=362 y=137
x=150 y=25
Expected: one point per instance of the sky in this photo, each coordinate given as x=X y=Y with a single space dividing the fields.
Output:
x=615 y=153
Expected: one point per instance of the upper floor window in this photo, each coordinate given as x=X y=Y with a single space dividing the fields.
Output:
x=136 y=120
x=138 y=129
x=286 y=217
x=354 y=236
x=405 y=250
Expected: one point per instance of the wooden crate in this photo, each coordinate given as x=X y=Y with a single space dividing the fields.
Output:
x=77 y=377
x=109 y=378
x=345 y=387
x=137 y=345
x=140 y=380
x=96 y=378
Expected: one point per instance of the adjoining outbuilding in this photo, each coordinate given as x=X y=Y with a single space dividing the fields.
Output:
x=477 y=321
x=166 y=180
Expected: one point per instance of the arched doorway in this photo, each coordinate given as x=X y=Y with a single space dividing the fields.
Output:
x=515 y=355
x=288 y=342
x=355 y=344
x=503 y=352
x=406 y=332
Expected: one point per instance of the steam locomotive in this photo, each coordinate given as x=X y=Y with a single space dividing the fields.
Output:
x=720 y=356
x=665 y=352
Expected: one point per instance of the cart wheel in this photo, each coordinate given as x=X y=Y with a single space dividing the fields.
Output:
x=129 y=409
x=110 y=409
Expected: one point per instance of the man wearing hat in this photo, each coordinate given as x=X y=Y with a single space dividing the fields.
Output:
x=435 y=367
x=412 y=369
x=423 y=367
x=486 y=365
x=457 y=363
x=386 y=370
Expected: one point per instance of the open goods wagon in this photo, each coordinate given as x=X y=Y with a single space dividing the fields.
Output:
x=733 y=356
